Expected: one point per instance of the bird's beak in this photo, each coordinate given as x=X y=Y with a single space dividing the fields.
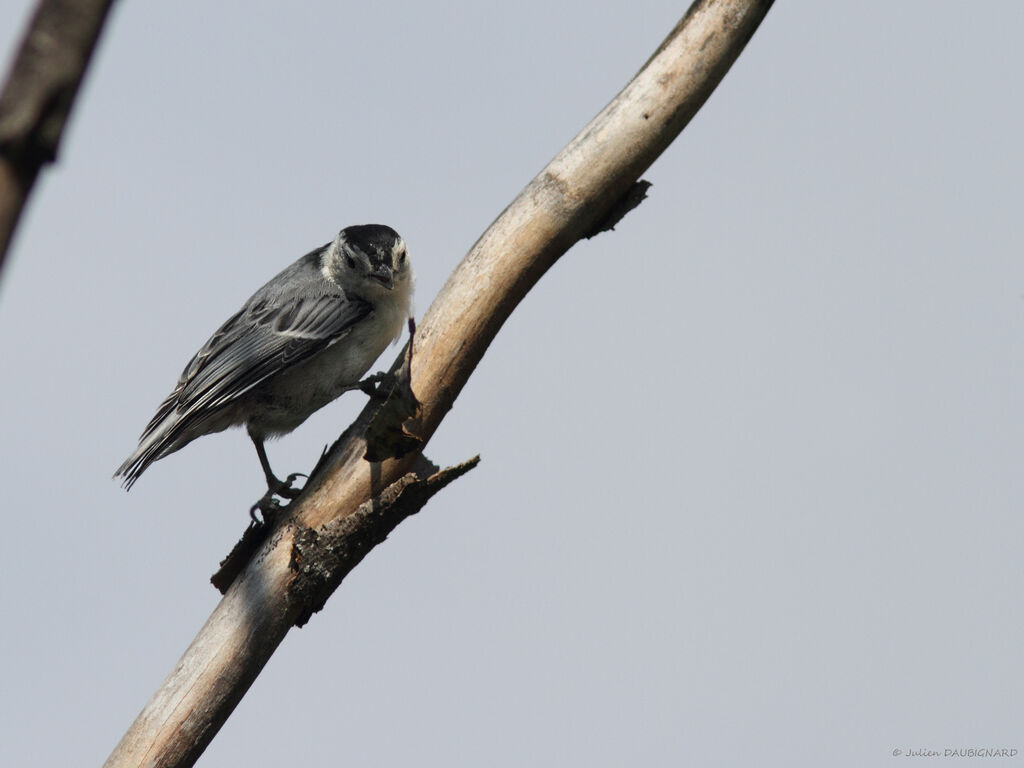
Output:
x=384 y=275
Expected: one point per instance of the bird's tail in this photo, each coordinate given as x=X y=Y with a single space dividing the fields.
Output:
x=157 y=441
x=136 y=464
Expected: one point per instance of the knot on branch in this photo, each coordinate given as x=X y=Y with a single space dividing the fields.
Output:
x=633 y=196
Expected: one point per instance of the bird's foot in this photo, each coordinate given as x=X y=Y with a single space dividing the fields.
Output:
x=283 y=488
x=268 y=506
x=376 y=386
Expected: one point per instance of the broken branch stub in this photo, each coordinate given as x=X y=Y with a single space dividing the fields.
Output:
x=322 y=558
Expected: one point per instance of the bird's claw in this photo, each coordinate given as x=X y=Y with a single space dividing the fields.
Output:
x=268 y=506
x=374 y=385
x=284 y=488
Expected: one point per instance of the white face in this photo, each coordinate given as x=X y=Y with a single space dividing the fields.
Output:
x=399 y=256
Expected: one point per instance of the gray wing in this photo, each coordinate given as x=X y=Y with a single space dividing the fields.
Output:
x=258 y=342
x=254 y=346
x=263 y=339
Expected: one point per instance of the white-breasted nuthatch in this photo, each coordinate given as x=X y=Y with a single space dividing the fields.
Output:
x=298 y=343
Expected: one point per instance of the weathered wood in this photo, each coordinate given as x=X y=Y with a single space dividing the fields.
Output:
x=289 y=580
x=576 y=194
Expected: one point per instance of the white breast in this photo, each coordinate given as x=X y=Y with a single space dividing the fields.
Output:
x=289 y=398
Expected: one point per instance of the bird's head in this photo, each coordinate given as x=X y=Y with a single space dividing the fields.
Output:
x=368 y=261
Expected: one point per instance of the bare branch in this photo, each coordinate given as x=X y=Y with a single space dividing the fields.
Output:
x=176 y=726
x=38 y=95
x=577 y=194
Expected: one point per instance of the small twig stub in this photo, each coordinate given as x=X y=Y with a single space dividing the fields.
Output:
x=322 y=558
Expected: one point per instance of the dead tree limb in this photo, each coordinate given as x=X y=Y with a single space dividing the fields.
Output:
x=38 y=95
x=577 y=194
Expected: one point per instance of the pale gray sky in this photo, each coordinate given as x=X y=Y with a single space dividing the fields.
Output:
x=751 y=487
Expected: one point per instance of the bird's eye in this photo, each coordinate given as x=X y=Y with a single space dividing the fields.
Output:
x=401 y=258
x=351 y=262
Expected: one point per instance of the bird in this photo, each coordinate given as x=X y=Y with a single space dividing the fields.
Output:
x=298 y=343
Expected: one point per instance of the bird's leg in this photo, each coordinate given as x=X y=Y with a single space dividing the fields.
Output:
x=282 y=488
